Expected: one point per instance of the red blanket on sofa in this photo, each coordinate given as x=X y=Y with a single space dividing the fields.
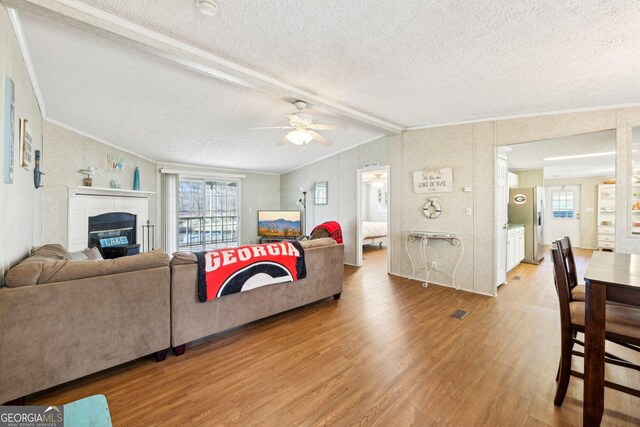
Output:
x=228 y=271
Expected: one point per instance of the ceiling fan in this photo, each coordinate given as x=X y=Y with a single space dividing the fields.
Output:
x=377 y=180
x=303 y=131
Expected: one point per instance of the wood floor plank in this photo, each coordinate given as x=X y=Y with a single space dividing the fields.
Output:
x=387 y=353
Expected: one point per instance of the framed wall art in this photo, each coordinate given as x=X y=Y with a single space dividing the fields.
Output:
x=321 y=193
x=26 y=144
x=9 y=130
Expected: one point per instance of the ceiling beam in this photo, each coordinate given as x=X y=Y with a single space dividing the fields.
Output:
x=95 y=21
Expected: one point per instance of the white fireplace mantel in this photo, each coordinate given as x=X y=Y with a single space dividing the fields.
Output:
x=85 y=202
x=109 y=192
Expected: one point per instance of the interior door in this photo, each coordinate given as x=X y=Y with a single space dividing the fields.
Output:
x=502 y=169
x=562 y=213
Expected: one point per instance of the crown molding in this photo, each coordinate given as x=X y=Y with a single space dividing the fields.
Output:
x=26 y=56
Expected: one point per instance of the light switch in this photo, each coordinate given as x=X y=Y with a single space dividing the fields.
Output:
x=469 y=211
x=590 y=210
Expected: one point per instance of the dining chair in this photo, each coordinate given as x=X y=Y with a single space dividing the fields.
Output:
x=577 y=291
x=622 y=327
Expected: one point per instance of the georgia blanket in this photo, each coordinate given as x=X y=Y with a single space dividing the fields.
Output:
x=228 y=271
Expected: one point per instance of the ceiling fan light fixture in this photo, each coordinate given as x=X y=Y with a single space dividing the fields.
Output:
x=207 y=7
x=299 y=137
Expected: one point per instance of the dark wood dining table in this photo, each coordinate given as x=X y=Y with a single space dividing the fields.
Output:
x=609 y=277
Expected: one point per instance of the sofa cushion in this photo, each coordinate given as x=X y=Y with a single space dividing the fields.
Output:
x=316 y=243
x=183 y=258
x=86 y=254
x=92 y=253
x=78 y=255
x=51 y=251
x=50 y=271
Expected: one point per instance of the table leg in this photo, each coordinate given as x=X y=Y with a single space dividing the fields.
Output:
x=593 y=402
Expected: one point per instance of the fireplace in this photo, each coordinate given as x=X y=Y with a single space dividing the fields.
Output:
x=114 y=233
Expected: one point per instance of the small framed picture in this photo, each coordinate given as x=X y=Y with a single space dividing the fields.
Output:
x=321 y=193
x=26 y=144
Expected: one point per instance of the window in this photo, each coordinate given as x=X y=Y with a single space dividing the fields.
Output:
x=562 y=204
x=208 y=214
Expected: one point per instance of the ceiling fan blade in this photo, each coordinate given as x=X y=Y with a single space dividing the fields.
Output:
x=329 y=126
x=275 y=127
x=321 y=139
x=283 y=141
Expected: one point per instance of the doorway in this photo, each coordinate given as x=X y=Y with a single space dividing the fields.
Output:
x=373 y=215
x=561 y=179
x=563 y=213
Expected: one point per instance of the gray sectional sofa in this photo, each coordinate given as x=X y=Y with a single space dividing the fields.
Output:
x=63 y=319
x=192 y=320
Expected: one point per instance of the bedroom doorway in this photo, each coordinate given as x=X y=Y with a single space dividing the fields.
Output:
x=373 y=215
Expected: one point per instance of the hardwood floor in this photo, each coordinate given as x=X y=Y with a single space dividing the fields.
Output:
x=387 y=353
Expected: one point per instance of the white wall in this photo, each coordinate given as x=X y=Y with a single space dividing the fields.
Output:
x=340 y=172
x=67 y=153
x=530 y=178
x=371 y=206
x=20 y=202
x=470 y=150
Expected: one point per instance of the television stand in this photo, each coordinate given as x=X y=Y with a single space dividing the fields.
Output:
x=266 y=239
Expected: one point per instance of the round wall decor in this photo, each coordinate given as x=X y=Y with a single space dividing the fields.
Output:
x=432 y=209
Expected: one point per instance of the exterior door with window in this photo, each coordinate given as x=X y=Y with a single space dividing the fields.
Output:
x=562 y=213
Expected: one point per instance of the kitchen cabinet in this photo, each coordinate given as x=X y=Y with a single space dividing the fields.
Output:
x=512 y=180
x=515 y=246
x=519 y=245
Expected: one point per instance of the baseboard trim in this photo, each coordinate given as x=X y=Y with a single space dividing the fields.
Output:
x=445 y=285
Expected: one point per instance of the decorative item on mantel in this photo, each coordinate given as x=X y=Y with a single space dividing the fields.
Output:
x=88 y=171
x=37 y=174
x=136 y=179
x=113 y=184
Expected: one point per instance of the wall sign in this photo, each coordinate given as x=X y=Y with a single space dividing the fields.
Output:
x=433 y=181
x=519 y=199
x=9 y=130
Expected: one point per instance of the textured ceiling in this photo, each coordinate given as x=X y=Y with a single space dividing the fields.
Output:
x=413 y=63
x=530 y=155
x=162 y=111
x=419 y=63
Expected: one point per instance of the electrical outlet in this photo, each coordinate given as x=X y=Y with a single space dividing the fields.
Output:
x=434 y=265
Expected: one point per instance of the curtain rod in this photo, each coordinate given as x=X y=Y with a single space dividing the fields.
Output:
x=196 y=173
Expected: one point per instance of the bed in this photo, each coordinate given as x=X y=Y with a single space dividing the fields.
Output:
x=374 y=233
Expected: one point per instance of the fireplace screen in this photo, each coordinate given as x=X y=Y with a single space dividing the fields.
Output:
x=111 y=225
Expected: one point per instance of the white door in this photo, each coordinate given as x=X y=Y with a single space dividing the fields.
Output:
x=562 y=213
x=502 y=170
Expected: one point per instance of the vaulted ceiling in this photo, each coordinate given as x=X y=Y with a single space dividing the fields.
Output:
x=379 y=67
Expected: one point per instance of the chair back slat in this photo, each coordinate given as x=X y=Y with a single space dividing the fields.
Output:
x=563 y=289
x=565 y=247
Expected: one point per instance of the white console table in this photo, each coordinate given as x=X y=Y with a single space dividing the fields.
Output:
x=423 y=237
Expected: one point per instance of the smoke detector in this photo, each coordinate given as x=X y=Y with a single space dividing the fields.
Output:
x=207 y=7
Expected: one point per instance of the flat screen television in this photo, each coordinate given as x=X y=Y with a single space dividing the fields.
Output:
x=279 y=223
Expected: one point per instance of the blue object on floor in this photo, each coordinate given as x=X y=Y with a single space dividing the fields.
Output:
x=91 y=411
x=136 y=179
